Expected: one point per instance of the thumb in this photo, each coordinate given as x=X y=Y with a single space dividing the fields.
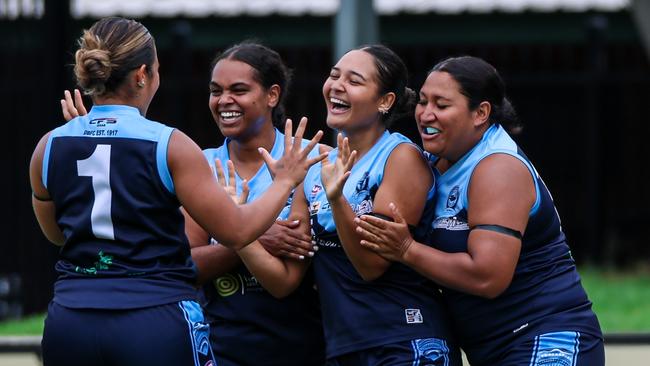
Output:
x=397 y=216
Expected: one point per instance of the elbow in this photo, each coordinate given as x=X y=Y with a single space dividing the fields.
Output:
x=490 y=289
x=371 y=274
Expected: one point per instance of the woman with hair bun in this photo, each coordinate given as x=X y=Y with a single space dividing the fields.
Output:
x=107 y=188
x=375 y=312
x=496 y=243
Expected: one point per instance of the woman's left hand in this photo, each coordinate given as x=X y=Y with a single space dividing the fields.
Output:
x=391 y=240
x=334 y=174
x=72 y=109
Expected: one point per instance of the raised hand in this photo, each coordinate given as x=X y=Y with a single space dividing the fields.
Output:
x=388 y=239
x=294 y=163
x=334 y=174
x=230 y=185
x=72 y=109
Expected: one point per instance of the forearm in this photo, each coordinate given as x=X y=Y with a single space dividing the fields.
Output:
x=458 y=271
x=369 y=265
x=277 y=275
x=255 y=218
x=213 y=261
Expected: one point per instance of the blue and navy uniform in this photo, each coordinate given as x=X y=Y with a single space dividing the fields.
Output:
x=399 y=308
x=545 y=309
x=125 y=248
x=249 y=326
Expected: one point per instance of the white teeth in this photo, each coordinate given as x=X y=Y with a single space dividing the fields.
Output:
x=430 y=130
x=230 y=114
x=339 y=101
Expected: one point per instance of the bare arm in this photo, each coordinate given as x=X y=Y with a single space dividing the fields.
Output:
x=208 y=203
x=212 y=260
x=43 y=205
x=501 y=192
x=411 y=194
x=279 y=276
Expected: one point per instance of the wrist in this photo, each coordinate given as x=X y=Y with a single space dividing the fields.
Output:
x=408 y=253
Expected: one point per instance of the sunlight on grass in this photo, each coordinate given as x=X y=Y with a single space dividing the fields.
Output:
x=621 y=299
x=31 y=325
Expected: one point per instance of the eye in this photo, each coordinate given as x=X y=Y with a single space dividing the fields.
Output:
x=355 y=82
x=215 y=92
x=442 y=106
x=422 y=102
x=239 y=91
x=334 y=76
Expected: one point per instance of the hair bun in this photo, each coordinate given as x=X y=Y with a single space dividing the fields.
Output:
x=93 y=65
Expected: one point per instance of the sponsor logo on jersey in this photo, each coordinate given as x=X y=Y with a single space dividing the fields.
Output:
x=314 y=207
x=450 y=223
x=413 y=316
x=226 y=285
x=102 y=122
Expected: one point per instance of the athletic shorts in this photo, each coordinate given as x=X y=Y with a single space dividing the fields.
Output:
x=170 y=334
x=567 y=348
x=417 y=352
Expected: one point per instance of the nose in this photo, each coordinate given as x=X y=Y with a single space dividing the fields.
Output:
x=337 y=85
x=428 y=113
x=224 y=99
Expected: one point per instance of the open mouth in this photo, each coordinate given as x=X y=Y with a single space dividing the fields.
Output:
x=229 y=116
x=430 y=131
x=339 y=105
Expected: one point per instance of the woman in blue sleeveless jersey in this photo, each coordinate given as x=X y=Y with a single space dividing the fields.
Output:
x=107 y=188
x=496 y=243
x=374 y=311
x=248 y=325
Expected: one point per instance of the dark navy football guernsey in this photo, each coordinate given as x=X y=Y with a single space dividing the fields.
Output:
x=400 y=305
x=249 y=326
x=545 y=294
x=125 y=244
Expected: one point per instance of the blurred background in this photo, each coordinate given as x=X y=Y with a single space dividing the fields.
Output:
x=577 y=71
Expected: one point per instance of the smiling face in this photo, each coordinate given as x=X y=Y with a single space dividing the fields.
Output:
x=351 y=92
x=239 y=103
x=447 y=126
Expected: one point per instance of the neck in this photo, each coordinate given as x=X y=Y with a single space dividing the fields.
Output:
x=117 y=100
x=362 y=140
x=244 y=150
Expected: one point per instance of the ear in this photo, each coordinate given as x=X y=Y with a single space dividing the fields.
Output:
x=140 y=75
x=273 y=95
x=482 y=113
x=386 y=101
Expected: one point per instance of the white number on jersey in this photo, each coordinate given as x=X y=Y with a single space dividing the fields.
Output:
x=98 y=167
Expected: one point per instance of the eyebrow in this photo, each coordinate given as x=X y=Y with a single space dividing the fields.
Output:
x=232 y=86
x=351 y=72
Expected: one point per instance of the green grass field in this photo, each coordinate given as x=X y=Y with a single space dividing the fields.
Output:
x=621 y=300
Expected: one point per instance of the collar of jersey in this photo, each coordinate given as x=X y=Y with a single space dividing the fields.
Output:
x=112 y=108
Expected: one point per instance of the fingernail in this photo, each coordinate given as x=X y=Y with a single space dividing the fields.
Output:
x=311 y=254
x=313 y=242
x=296 y=221
x=315 y=248
x=301 y=257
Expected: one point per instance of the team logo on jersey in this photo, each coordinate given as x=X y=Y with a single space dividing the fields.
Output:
x=315 y=189
x=413 y=316
x=452 y=199
x=226 y=285
x=361 y=200
x=102 y=122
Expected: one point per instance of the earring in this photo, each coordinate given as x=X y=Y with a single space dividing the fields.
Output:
x=141 y=83
x=383 y=110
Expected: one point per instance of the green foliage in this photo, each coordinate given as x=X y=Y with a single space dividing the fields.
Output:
x=621 y=299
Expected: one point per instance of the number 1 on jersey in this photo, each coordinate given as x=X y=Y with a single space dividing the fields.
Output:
x=98 y=167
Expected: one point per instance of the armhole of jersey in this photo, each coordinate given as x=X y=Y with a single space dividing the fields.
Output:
x=383 y=171
x=530 y=168
x=46 y=160
x=161 y=159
